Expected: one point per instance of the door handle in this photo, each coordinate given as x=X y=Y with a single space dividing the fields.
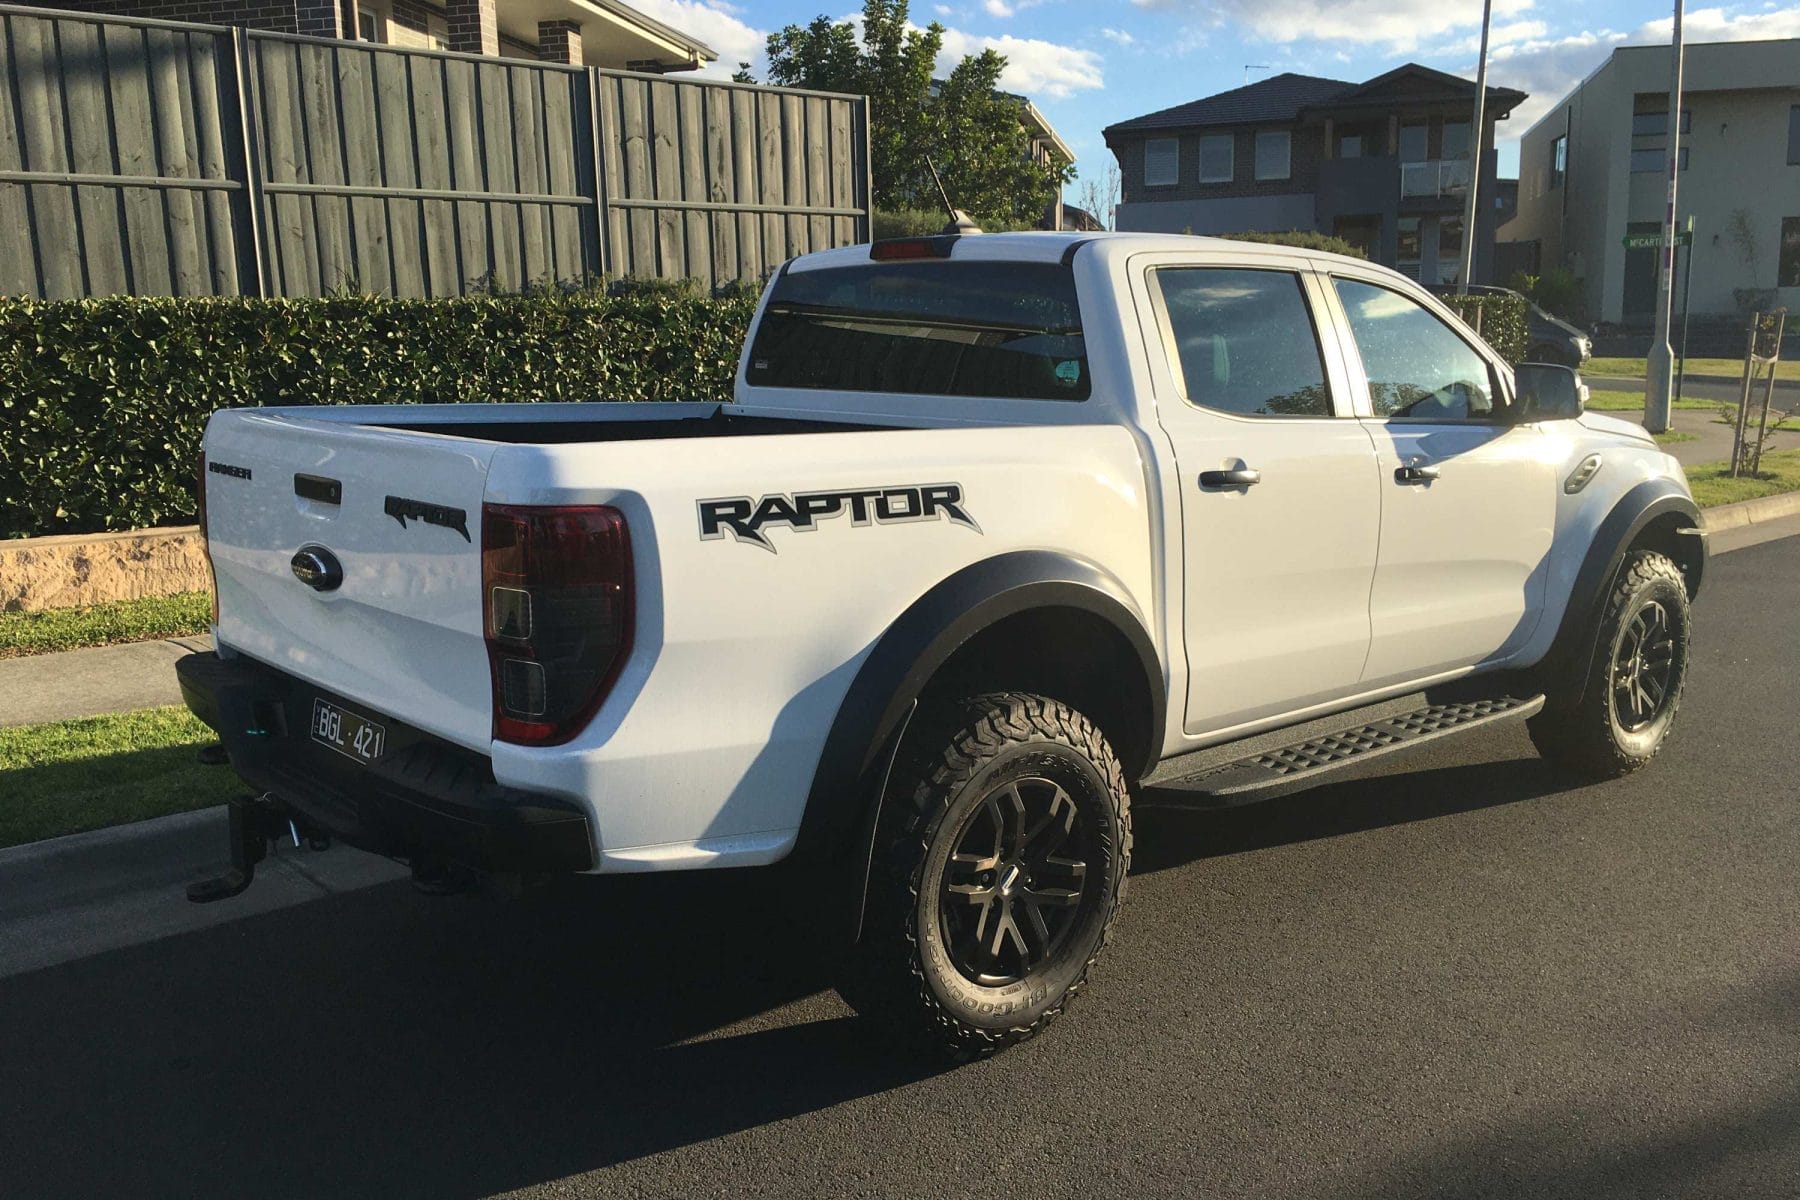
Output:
x=1237 y=477
x=1415 y=473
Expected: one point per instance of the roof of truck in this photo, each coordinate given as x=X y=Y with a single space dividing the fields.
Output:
x=1052 y=247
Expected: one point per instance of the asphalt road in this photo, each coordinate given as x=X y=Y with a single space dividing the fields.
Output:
x=1459 y=977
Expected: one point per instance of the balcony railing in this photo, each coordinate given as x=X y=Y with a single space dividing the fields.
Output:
x=1434 y=177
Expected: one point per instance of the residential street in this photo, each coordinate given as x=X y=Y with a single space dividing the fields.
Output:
x=1460 y=977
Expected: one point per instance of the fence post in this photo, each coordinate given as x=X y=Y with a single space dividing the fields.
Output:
x=868 y=152
x=596 y=239
x=237 y=121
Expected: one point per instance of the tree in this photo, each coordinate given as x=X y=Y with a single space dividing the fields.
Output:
x=1101 y=196
x=967 y=127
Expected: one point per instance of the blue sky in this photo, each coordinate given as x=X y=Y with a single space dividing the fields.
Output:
x=1088 y=63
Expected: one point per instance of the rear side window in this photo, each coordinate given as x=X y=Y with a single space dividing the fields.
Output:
x=938 y=328
x=1244 y=341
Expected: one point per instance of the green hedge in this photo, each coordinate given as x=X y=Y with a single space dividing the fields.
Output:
x=1502 y=321
x=102 y=402
x=1304 y=239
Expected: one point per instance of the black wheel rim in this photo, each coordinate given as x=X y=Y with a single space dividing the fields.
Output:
x=1644 y=668
x=1015 y=880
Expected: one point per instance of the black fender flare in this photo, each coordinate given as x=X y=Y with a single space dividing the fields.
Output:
x=1565 y=666
x=842 y=804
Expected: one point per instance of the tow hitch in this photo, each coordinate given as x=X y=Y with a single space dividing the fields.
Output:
x=255 y=823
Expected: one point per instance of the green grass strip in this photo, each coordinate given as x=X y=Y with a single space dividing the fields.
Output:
x=1712 y=482
x=181 y=615
x=72 y=776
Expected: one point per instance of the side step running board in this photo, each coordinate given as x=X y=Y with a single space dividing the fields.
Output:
x=1284 y=769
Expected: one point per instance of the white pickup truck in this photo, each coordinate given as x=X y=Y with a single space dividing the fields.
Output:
x=997 y=531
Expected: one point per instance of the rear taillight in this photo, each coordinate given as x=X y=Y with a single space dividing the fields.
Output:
x=556 y=592
x=212 y=576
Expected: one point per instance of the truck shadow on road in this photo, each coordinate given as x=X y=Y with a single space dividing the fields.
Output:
x=387 y=1043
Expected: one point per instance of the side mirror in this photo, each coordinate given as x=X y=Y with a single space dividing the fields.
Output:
x=1548 y=392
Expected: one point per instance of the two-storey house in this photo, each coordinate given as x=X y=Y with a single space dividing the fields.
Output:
x=1384 y=165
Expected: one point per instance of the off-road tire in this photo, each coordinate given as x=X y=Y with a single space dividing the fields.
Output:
x=1589 y=735
x=957 y=765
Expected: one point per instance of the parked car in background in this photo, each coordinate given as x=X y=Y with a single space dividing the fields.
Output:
x=1550 y=339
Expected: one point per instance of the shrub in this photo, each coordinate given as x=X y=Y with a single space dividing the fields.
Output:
x=103 y=401
x=1304 y=239
x=1500 y=319
x=924 y=222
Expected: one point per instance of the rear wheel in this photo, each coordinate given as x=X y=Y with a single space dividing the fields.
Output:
x=1634 y=681
x=1000 y=863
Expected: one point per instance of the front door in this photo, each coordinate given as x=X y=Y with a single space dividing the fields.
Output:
x=1468 y=499
x=1278 y=492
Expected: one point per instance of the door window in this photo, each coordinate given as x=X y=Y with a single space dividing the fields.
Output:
x=1418 y=367
x=1244 y=341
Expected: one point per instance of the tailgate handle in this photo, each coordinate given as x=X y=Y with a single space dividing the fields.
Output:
x=317 y=487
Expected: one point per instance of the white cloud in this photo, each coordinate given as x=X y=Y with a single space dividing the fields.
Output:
x=1549 y=67
x=996 y=8
x=1117 y=35
x=1034 y=67
x=1400 y=25
x=718 y=25
x=943 y=10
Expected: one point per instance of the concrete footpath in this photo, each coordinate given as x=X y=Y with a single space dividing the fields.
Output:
x=86 y=683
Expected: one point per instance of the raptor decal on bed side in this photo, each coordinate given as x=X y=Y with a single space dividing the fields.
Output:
x=745 y=517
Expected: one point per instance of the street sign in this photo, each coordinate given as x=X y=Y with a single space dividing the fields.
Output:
x=1654 y=241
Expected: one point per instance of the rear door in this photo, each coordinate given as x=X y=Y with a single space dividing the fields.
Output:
x=1279 y=493
x=1468 y=498
x=400 y=511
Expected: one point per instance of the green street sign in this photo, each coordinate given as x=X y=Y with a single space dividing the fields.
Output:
x=1654 y=241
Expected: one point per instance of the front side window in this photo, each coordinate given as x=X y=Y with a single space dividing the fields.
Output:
x=1216 y=158
x=1654 y=162
x=1418 y=368
x=1244 y=341
x=1559 y=161
x=1272 y=152
x=1162 y=162
x=932 y=327
x=1456 y=139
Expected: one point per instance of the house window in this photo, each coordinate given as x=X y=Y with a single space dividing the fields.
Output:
x=1273 y=153
x=1408 y=246
x=1216 y=154
x=1559 y=161
x=1788 y=274
x=1654 y=161
x=1652 y=117
x=1794 y=136
x=368 y=25
x=1162 y=162
x=1456 y=139
x=1414 y=141
x=1450 y=249
x=1350 y=146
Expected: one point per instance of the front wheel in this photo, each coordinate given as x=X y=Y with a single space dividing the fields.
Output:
x=1000 y=862
x=1632 y=690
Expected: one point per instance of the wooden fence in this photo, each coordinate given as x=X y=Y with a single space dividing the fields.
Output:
x=158 y=158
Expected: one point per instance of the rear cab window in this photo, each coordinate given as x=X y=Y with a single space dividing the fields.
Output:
x=945 y=327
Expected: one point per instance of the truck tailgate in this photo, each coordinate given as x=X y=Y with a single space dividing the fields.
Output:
x=402 y=633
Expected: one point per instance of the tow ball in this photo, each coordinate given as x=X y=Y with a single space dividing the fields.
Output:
x=255 y=823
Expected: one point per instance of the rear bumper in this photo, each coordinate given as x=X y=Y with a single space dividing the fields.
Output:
x=423 y=797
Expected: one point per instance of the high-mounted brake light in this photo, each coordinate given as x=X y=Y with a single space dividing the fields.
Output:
x=557 y=599
x=919 y=247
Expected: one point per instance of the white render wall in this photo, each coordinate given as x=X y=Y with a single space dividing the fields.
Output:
x=1739 y=94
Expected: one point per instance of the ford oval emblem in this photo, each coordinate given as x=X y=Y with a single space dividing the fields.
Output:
x=318 y=568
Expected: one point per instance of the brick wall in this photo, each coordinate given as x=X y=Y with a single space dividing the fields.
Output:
x=560 y=42
x=474 y=26
x=275 y=15
x=1306 y=147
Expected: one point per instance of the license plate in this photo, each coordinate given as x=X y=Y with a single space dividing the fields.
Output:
x=350 y=735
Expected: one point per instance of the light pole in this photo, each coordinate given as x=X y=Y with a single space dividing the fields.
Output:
x=1659 y=372
x=1476 y=141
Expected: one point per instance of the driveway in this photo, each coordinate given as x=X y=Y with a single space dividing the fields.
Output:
x=1461 y=976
